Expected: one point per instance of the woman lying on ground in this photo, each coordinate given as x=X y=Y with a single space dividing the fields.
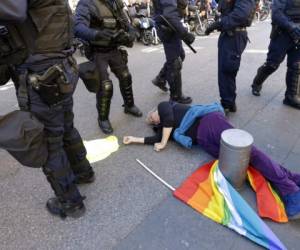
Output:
x=203 y=125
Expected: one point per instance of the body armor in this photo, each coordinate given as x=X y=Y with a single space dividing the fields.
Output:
x=293 y=10
x=44 y=31
x=105 y=18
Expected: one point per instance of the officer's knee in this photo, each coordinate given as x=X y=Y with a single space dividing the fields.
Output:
x=177 y=64
x=106 y=88
x=295 y=67
x=125 y=77
x=269 y=68
x=55 y=144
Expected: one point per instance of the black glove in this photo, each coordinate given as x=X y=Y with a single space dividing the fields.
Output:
x=104 y=35
x=188 y=38
x=295 y=34
x=214 y=26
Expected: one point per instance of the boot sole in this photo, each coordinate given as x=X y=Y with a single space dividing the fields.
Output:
x=288 y=103
x=135 y=115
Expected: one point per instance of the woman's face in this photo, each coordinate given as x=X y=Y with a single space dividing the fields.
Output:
x=153 y=118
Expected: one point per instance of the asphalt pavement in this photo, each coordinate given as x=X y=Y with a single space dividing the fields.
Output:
x=126 y=207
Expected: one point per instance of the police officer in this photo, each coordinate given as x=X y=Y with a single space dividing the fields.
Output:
x=173 y=11
x=236 y=15
x=104 y=25
x=285 y=38
x=36 y=40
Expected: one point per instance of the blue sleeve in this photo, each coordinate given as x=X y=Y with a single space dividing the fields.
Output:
x=82 y=28
x=278 y=16
x=13 y=11
x=239 y=16
x=171 y=13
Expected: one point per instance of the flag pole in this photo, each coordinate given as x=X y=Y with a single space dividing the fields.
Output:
x=155 y=175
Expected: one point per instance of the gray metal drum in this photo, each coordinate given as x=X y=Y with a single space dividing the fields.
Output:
x=235 y=149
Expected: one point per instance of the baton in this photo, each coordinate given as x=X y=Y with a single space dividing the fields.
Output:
x=174 y=30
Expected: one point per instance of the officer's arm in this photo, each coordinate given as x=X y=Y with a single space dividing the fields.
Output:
x=82 y=28
x=239 y=16
x=278 y=16
x=171 y=13
x=13 y=11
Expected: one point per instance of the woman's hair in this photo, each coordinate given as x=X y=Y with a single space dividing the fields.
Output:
x=148 y=117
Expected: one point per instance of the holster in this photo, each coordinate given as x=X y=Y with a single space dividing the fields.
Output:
x=52 y=85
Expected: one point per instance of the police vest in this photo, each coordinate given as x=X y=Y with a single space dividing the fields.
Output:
x=293 y=10
x=226 y=6
x=49 y=29
x=105 y=19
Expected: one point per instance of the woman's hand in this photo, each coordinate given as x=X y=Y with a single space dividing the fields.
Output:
x=159 y=146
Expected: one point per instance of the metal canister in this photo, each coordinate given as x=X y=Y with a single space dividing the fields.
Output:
x=234 y=155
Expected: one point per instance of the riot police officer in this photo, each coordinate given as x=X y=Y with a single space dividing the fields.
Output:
x=36 y=41
x=173 y=11
x=236 y=15
x=104 y=25
x=285 y=38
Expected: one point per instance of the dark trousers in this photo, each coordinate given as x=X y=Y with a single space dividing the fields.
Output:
x=66 y=152
x=117 y=60
x=173 y=50
x=209 y=135
x=230 y=49
x=279 y=47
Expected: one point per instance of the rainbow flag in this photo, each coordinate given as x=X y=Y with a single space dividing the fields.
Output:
x=208 y=192
x=269 y=203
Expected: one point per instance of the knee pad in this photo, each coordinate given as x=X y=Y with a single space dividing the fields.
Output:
x=268 y=68
x=125 y=78
x=177 y=64
x=106 y=88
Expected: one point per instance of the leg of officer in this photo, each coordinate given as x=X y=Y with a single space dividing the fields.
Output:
x=231 y=47
x=277 y=50
x=174 y=53
x=160 y=80
x=75 y=149
x=57 y=169
x=104 y=93
x=292 y=94
x=118 y=64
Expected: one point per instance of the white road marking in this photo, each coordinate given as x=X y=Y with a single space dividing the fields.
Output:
x=256 y=51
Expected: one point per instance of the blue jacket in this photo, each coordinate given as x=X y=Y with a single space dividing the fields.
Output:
x=168 y=8
x=195 y=112
x=279 y=16
x=238 y=17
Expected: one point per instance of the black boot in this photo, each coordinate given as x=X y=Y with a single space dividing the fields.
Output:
x=127 y=94
x=229 y=107
x=175 y=83
x=65 y=208
x=292 y=94
x=176 y=91
x=160 y=80
x=103 y=106
x=263 y=73
x=68 y=200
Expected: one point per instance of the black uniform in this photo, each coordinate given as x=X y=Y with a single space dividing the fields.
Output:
x=285 y=39
x=172 y=10
x=103 y=24
x=36 y=40
x=236 y=15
